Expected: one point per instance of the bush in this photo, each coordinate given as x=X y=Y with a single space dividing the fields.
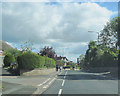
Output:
x=32 y=60
x=29 y=61
x=8 y=59
x=14 y=52
x=49 y=62
x=60 y=63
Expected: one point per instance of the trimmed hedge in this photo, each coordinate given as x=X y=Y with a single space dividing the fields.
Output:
x=60 y=63
x=32 y=61
x=49 y=62
x=8 y=59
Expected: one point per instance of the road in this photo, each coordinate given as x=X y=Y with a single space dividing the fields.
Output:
x=78 y=82
x=21 y=85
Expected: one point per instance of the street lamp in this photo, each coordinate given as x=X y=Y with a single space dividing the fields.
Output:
x=98 y=35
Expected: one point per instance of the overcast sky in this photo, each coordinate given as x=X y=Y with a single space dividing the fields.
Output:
x=64 y=26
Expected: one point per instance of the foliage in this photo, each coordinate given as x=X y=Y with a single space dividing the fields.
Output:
x=109 y=35
x=8 y=59
x=99 y=56
x=12 y=51
x=27 y=46
x=60 y=63
x=49 y=62
x=47 y=51
x=31 y=60
x=71 y=64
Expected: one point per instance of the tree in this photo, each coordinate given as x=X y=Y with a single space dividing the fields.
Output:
x=60 y=62
x=12 y=51
x=9 y=58
x=82 y=59
x=47 y=51
x=27 y=46
x=109 y=35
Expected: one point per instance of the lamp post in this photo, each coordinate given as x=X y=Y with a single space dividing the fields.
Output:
x=98 y=35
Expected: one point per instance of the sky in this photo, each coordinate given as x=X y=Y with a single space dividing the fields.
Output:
x=62 y=25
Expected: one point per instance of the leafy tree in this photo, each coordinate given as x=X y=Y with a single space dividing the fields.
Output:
x=109 y=35
x=60 y=63
x=8 y=59
x=82 y=60
x=100 y=56
x=12 y=51
x=47 y=51
x=27 y=46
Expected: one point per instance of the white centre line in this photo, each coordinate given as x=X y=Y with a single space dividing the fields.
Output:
x=60 y=91
x=66 y=73
x=63 y=82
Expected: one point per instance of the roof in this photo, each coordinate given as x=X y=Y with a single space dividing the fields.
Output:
x=59 y=58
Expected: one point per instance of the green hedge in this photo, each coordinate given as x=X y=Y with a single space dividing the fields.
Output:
x=49 y=62
x=8 y=59
x=32 y=60
x=60 y=63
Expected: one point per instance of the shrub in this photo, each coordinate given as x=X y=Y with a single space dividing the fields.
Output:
x=49 y=62
x=8 y=59
x=30 y=61
x=60 y=62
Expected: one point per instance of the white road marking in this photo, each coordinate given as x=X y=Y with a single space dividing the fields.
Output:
x=66 y=73
x=51 y=81
x=43 y=82
x=63 y=82
x=60 y=73
x=64 y=77
x=46 y=86
x=60 y=91
x=40 y=84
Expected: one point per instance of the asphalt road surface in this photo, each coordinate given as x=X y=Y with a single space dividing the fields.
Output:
x=78 y=82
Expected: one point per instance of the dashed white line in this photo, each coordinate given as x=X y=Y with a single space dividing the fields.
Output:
x=63 y=82
x=66 y=73
x=60 y=91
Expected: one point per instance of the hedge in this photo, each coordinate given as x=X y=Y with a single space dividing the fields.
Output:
x=49 y=62
x=60 y=62
x=8 y=59
x=32 y=61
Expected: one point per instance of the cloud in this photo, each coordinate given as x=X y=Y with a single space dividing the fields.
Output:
x=61 y=25
x=68 y=22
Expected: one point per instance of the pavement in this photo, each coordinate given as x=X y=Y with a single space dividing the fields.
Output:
x=76 y=82
x=29 y=85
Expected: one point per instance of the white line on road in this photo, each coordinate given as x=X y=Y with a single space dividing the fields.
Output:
x=45 y=86
x=60 y=91
x=63 y=82
x=51 y=81
x=60 y=73
x=44 y=82
x=66 y=73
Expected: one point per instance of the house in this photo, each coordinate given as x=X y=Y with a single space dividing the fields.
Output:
x=2 y=53
x=1 y=57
